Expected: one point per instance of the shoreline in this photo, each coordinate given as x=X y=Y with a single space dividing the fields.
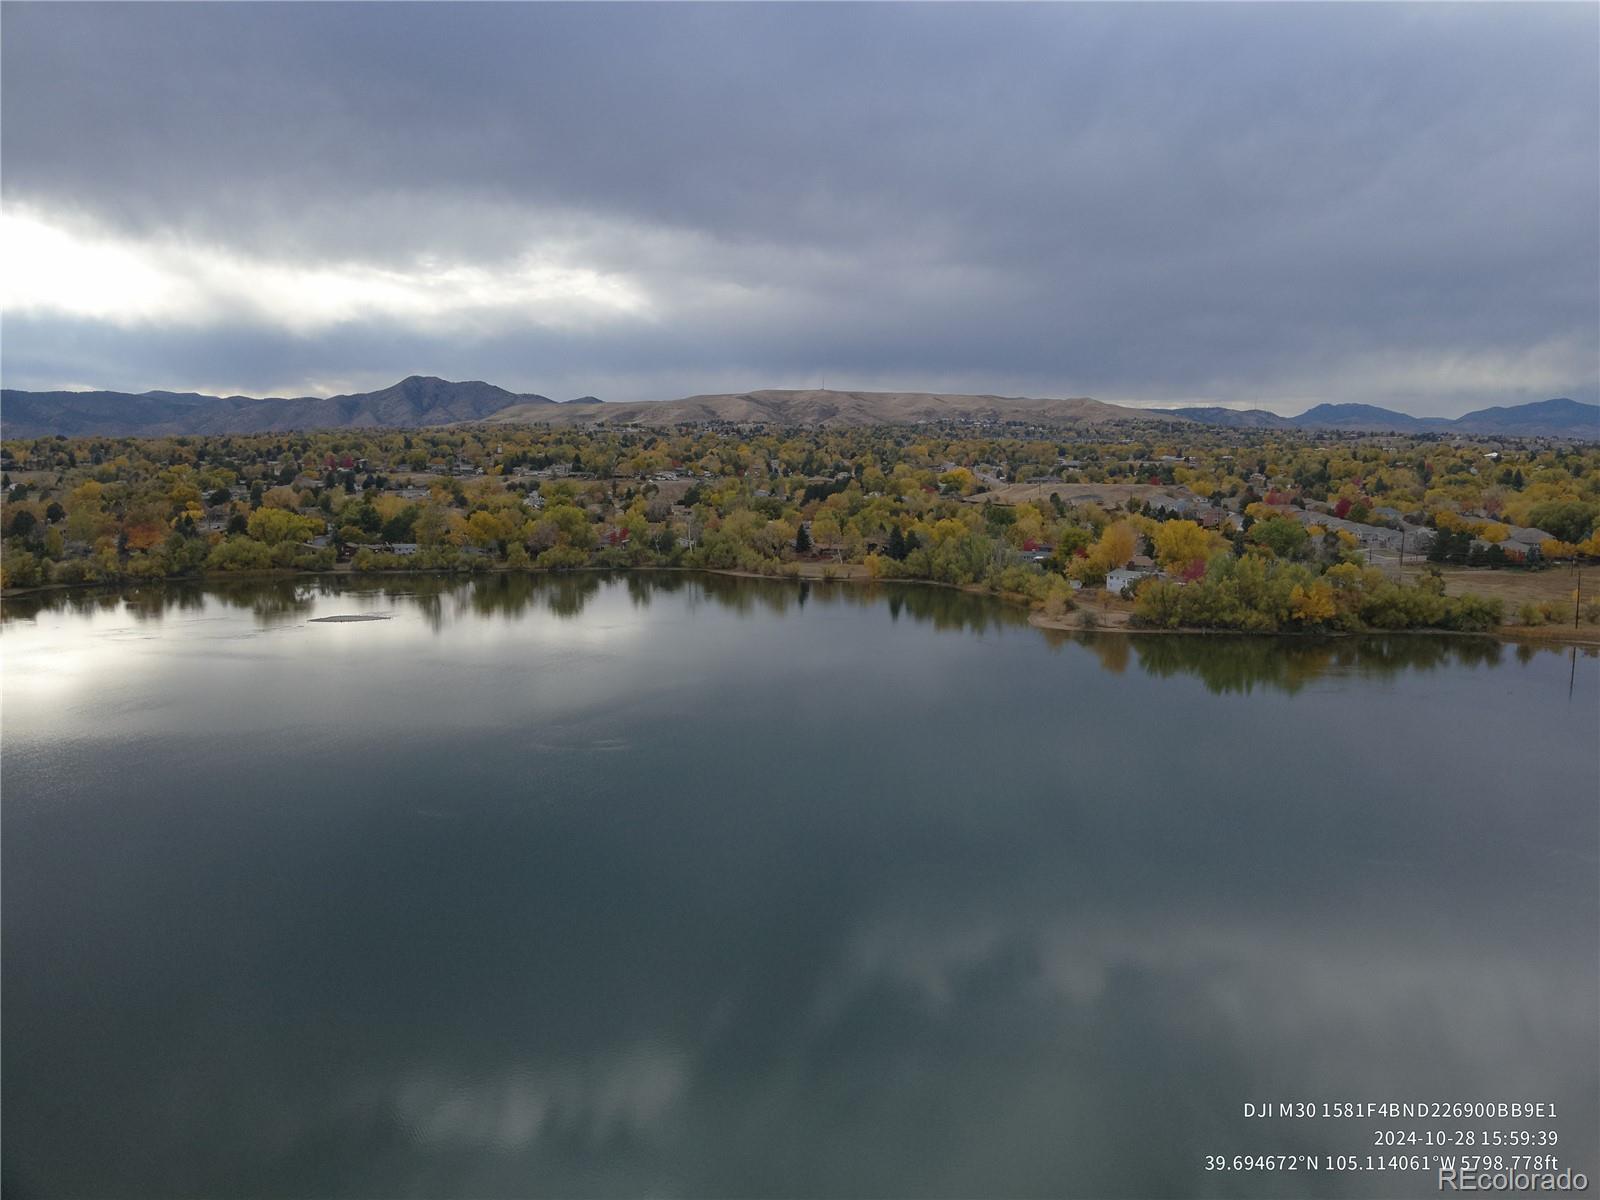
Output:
x=1106 y=619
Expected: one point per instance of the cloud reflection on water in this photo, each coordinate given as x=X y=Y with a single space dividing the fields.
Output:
x=671 y=885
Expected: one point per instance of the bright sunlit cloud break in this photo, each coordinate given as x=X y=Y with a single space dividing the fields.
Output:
x=53 y=268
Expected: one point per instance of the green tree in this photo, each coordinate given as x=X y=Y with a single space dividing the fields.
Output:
x=897 y=548
x=1286 y=538
x=1568 y=520
x=274 y=525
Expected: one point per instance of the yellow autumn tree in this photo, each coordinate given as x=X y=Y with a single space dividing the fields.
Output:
x=1454 y=522
x=485 y=528
x=1119 y=541
x=825 y=531
x=1555 y=548
x=1313 y=605
x=274 y=525
x=959 y=480
x=1027 y=527
x=1179 y=543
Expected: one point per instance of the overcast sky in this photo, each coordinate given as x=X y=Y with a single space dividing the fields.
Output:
x=1254 y=205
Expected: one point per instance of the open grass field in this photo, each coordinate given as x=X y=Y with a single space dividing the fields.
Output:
x=1553 y=585
x=1103 y=494
x=1516 y=588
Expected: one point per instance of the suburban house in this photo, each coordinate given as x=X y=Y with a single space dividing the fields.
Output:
x=1184 y=506
x=1119 y=579
x=1527 y=540
x=1414 y=539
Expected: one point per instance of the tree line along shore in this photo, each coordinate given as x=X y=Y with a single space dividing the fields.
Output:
x=1159 y=527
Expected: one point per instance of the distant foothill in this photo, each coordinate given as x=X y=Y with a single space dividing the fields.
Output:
x=420 y=401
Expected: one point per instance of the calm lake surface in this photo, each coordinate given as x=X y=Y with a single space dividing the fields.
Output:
x=668 y=885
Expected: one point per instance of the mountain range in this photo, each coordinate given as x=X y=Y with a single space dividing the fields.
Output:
x=425 y=400
x=415 y=401
x=1542 y=418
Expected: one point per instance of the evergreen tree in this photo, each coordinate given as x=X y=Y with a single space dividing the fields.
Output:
x=897 y=544
x=802 y=540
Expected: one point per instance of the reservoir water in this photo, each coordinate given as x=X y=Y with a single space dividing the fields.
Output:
x=673 y=885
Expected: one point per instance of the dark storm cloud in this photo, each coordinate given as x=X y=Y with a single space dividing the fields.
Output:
x=1270 y=205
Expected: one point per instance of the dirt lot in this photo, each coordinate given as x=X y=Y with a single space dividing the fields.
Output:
x=1104 y=494
x=1094 y=609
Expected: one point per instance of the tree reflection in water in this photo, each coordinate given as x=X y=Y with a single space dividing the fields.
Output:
x=1224 y=663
